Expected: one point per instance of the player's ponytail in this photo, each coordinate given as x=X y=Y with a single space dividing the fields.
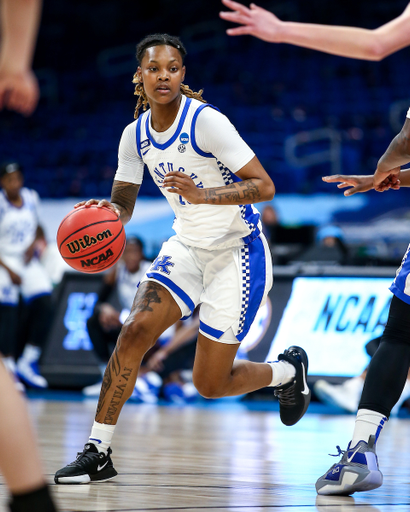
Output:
x=157 y=40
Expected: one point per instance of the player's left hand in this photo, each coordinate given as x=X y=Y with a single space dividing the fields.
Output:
x=177 y=182
x=255 y=21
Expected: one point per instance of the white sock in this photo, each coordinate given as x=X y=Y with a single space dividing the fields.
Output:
x=10 y=364
x=101 y=435
x=368 y=423
x=282 y=373
x=31 y=353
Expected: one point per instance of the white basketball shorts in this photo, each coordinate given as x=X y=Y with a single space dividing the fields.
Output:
x=35 y=282
x=230 y=284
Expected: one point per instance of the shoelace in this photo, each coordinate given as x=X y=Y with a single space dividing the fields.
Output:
x=286 y=397
x=341 y=452
x=83 y=457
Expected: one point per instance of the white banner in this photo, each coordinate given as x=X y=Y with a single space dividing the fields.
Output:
x=333 y=318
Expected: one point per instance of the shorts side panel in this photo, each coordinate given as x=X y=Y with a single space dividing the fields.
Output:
x=401 y=284
x=254 y=283
x=35 y=281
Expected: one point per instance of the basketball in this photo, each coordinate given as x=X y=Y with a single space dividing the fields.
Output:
x=91 y=239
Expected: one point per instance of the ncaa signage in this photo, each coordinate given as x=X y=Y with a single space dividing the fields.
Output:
x=333 y=319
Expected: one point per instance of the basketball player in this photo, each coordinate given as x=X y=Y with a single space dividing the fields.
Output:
x=19 y=25
x=21 y=272
x=358 y=468
x=358 y=43
x=218 y=258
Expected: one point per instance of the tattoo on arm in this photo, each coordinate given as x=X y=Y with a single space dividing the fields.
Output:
x=243 y=192
x=124 y=195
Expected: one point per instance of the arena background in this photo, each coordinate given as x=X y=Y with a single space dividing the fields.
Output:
x=304 y=113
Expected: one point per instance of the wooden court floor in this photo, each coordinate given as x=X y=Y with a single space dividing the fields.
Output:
x=224 y=458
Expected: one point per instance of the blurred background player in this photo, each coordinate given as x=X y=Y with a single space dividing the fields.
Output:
x=21 y=273
x=19 y=21
x=346 y=396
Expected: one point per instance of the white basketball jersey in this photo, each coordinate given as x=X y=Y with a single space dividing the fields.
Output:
x=127 y=282
x=203 y=225
x=18 y=225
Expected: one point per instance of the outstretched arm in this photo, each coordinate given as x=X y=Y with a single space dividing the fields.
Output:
x=357 y=43
x=19 y=25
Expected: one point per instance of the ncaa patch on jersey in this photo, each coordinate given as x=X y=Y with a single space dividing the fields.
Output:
x=184 y=138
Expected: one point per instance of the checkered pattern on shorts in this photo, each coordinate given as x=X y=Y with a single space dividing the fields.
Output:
x=246 y=286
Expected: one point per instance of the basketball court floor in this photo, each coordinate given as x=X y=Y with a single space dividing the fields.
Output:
x=224 y=456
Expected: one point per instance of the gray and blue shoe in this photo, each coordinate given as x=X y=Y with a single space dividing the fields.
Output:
x=358 y=470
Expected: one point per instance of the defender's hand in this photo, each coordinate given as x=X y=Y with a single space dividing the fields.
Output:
x=255 y=21
x=391 y=176
x=357 y=183
x=179 y=183
x=19 y=91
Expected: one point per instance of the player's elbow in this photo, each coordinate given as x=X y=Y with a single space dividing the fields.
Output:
x=376 y=51
x=268 y=191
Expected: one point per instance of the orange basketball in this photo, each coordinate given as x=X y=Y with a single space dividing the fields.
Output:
x=91 y=239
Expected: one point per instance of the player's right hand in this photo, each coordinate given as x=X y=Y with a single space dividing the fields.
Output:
x=254 y=21
x=100 y=203
x=357 y=183
x=15 y=278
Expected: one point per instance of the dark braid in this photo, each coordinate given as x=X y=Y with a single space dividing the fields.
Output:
x=158 y=40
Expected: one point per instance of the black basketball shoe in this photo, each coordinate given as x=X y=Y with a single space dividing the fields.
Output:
x=89 y=466
x=294 y=397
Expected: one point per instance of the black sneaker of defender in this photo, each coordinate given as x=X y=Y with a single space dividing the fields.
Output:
x=89 y=466
x=294 y=397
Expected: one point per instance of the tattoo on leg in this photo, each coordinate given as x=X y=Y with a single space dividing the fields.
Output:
x=117 y=397
x=149 y=294
x=113 y=368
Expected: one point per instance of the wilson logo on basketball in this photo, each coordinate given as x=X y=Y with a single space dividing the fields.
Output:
x=90 y=262
x=87 y=241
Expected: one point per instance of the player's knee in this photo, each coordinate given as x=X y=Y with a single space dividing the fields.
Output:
x=137 y=335
x=397 y=328
x=209 y=389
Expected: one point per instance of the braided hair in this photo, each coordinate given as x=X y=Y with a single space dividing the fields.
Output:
x=157 y=40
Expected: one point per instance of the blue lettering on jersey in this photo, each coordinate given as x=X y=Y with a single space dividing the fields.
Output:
x=162 y=264
x=160 y=175
x=80 y=307
x=164 y=168
x=184 y=138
